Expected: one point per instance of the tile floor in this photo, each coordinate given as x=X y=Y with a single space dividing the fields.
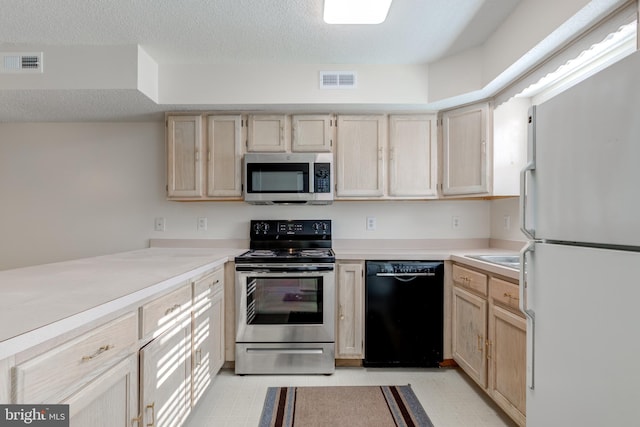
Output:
x=449 y=397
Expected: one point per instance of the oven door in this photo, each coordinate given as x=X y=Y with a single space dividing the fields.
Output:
x=285 y=303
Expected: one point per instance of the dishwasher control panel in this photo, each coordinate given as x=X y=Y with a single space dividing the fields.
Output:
x=403 y=267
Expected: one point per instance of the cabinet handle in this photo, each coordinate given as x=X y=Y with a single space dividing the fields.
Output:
x=479 y=343
x=341 y=313
x=172 y=309
x=98 y=352
x=488 y=349
x=508 y=295
x=137 y=420
x=199 y=357
x=153 y=413
x=197 y=156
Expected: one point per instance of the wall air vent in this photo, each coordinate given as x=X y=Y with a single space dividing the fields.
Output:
x=337 y=80
x=17 y=62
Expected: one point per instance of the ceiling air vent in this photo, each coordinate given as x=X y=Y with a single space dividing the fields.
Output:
x=337 y=80
x=15 y=62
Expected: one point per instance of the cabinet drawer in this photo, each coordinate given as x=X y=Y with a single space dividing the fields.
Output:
x=505 y=293
x=470 y=279
x=57 y=373
x=156 y=316
x=210 y=285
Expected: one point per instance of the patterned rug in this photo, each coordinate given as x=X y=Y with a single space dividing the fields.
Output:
x=352 y=406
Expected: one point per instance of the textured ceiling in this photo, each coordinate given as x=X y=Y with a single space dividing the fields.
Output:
x=255 y=31
x=228 y=32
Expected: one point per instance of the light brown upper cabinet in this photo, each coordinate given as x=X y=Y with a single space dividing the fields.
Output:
x=312 y=132
x=224 y=157
x=375 y=164
x=413 y=156
x=466 y=150
x=204 y=163
x=268 y=132
x=361 y=141
x=184 y=156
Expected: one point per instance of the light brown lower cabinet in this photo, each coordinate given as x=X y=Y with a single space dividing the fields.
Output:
x=507 y=358
x=147 y=367
x=110 y=400
x=165 y=378
x=469 y=334
x=208 y=332
x=489 y=337
x=350 y=311
x=96 y=373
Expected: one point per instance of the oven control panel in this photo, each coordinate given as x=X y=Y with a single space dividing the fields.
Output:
x=299 y=228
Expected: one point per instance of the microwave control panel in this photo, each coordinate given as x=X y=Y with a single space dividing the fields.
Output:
x=322 y=178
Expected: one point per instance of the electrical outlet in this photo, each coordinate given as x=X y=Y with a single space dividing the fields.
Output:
x=455 y=221
x=158 y=224
x=202 y=224
x=506 y=222
x=371 y=223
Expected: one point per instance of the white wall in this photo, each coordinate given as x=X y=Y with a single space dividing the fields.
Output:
x=501 y=208
x=72 y=190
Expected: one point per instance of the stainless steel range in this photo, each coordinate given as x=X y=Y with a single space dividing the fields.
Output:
x=285 y=296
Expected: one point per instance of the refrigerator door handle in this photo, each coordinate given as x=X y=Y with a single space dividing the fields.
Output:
x=531 y=166
x=529 y=232
x=529 y=314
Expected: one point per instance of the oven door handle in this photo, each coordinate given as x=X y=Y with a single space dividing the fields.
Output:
x=289 y=269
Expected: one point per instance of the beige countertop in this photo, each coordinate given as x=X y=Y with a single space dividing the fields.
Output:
x=457 y=255
x=44 y=301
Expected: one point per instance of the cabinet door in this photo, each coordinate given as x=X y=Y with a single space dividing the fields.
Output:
x=208 y=332
x=465 y=136
x=469 y=328
x=360 y=156
x=267 y=133
x=507 y=361
x=413 y=156
x=165 y=378
x=184 y=140
x=224 y=156
x=350 y=321
x=111 y=400
x=312 y=132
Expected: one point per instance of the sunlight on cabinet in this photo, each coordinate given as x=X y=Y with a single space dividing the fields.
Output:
x=165 y=377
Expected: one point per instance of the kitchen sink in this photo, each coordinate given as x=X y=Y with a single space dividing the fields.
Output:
x=511 y=261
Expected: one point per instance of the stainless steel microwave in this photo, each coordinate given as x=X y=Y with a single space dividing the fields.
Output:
x=301 y=178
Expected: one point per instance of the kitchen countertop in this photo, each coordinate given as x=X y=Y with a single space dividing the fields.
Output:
x=44 y=301
x=457 y=255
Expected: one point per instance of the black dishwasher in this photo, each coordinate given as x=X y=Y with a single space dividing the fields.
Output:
x=404 y=313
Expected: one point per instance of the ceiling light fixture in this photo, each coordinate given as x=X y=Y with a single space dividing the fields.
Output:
x=356 y=11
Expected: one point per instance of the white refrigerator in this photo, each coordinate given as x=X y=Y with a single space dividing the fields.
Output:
x=580 y=278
